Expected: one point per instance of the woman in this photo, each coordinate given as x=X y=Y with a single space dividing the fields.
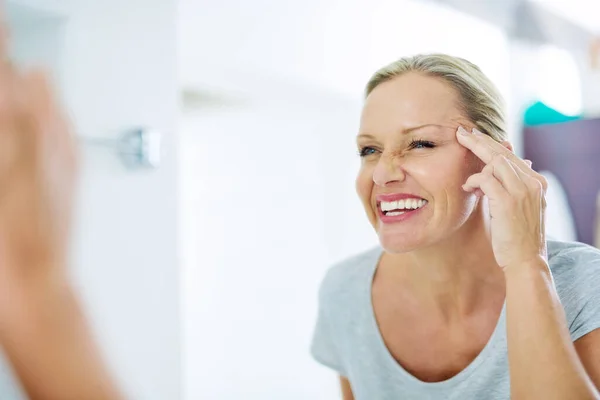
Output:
x=465 y=298
x=43 y=331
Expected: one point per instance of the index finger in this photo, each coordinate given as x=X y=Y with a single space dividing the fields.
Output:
x=483 y=146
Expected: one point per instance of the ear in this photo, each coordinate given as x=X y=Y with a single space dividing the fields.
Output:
x=508 y=145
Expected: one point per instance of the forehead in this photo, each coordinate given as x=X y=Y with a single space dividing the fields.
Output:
x=410 y=100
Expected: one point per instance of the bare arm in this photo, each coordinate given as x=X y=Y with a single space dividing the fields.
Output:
x=543 y=362
x=50 y=346
x=588 y=349
x=42 y=327
x=542 y=358
x=346 y=389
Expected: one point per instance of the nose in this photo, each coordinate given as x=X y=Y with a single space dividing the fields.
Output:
x=389 y=169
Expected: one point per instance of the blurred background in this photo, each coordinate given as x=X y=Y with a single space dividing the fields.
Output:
x=200 y=270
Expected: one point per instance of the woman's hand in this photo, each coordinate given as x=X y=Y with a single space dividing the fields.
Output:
x=543 y=362
x=43 y=330
x=37 y=177
x=516 y=195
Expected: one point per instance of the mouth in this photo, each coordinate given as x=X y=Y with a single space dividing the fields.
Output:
x=400 y=207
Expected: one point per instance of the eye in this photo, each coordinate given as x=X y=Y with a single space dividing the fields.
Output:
x=366 y=151
x=421 y=144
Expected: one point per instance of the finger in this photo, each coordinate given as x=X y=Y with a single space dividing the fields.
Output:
x=495 y=193
x=475 y=191
x=487 y=170
x=15 y=123
x=484 y=147
x=473 y=182
x=502 y=169
x=478 y=192
x=507 y=173
x=524 y=168
x=51 y=120
x=57 y=149
x=488 y=184
x=529 y=176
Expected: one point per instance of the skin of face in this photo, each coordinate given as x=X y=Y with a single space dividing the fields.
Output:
x=407 y=141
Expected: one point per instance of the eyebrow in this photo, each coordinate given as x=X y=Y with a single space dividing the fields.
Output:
x=405 y=131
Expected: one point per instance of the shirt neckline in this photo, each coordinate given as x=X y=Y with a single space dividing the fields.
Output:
x=402 y=373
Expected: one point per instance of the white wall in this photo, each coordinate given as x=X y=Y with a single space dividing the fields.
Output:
x=523 y=88
x=330 y=43
x=36 y=39
x=256 y=240
x=120 y=71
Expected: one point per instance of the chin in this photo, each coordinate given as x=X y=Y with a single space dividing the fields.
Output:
x=400 y=243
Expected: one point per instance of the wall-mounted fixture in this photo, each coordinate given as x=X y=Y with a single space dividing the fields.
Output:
x=138 y=148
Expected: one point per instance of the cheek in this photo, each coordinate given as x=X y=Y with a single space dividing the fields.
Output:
x=364 y=184
x=445 y=172
x=436 y=171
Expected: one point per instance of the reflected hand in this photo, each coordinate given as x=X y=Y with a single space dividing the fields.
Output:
x=516 y=195
x=37 y=175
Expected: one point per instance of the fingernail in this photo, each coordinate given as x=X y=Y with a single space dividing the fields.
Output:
x=529 y=162
x=477 y=132
x=462 y=130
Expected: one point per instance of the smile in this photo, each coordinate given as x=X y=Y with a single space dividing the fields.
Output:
x=399 y=207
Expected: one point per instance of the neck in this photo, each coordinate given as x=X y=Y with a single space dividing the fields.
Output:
x=456 y=277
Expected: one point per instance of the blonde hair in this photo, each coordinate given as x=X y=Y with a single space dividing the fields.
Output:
x=480 y=100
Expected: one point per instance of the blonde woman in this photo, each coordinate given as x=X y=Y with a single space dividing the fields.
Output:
x=464 y=298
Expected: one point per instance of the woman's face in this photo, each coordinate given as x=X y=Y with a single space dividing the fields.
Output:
x=412 y=165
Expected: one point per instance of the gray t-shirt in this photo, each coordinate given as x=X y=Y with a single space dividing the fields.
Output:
x=347 y=338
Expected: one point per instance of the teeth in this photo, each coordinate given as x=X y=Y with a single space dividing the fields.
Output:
x=394 y=213
x=404 y=204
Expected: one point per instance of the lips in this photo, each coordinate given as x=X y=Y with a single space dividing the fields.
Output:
x=398 y=207
x=401 y=205
x=396 y=196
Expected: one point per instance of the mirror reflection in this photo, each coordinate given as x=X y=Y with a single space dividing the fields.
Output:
x=299 y=200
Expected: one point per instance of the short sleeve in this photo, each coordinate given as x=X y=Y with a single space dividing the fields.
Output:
x=588 y=315
x=581 y=292
x=324 y=347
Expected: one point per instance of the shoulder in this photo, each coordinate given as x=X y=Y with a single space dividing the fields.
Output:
x=343 y=278
x=573 y=260
x=576 y=273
